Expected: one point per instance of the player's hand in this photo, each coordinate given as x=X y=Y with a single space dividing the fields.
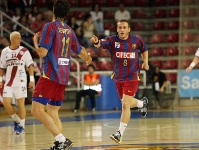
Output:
x=161 y=90
x=94 y=39
x=145 y=66
x=89 y=59
x=30 y=85
x=1 y=84
x=188 y=69
x=37 y=37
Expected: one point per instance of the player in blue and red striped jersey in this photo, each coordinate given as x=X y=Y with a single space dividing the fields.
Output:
x=54 y=44
x=125 y=49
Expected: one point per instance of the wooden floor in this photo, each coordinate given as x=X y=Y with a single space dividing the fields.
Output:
x=161 y=130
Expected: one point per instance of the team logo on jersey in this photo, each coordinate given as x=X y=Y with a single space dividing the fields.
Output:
x=133 y=46
x=117 y=44
x=21 y=52
x=125 y=54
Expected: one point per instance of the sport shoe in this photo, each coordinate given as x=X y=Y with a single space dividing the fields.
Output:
x=144 y=108
x=93 y=109
x=62 y=145
x=15 y=126
x=116 y=137
x=20 y=130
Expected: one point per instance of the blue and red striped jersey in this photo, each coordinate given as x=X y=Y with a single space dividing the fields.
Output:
x=59 y=39
x=125 y=56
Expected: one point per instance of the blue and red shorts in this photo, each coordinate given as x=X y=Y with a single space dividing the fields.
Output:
x=127 y=87
x=47 y=91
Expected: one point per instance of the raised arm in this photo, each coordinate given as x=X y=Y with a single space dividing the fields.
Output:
x=85 y=56
x=95 y=41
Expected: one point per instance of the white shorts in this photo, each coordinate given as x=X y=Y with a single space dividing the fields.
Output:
x=15 y=92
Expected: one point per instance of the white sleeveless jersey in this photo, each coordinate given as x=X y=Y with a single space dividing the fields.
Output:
x=14 y=61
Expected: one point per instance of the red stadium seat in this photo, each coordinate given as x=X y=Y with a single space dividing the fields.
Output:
x=158 y=25
x=188 y=37
x=109 y=14
x=92 y=52
x=173 y=25
x=185 y=63
x=139 y=14
x=188 y=24
x=73 y=3
x=99 y=2
x=197 y=38
x=138 y=26
x=105 y=65
x=189 y=12
x=85 y=3
x=172 y=77
x=109 y=26
x=160 y=3
x=41 y=3
x=156 y=51
x=172 y=51
x=173 y=37
x=103 y=52
x=112 y=3
x=128 y=3
x=73 y=66
x=140 y=3
x=79 y=14
x=174 y=13
x=170 y=64
x=160 y=13
x=84 y=66
x=174 y=2
x=189 y=50
x=157 y=38
x=156 y=63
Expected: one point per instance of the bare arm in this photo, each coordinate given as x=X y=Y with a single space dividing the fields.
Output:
x=85 y=56
x=92 y=83
x=144 y=56
x=31 y=74
x=41 y=51
x=194 y=62
x=163 y=86
x=2 y=71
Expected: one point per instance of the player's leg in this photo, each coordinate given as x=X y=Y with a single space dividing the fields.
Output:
x=52 y=110
x=7 y=100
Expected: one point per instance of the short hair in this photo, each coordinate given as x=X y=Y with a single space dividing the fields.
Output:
x=61 y=8
x=92 y=66
x=13 y=34
x=124 y=20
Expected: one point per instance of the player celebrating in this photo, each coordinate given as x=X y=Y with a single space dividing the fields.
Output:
x=14 y=58
x=125 y=49
x=194 y=62
x=57 y=40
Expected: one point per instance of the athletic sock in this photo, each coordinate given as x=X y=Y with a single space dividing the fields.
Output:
x=15 y=117
x=122 y=128
x=22 y=123
x=60 y=138
x=140 y=104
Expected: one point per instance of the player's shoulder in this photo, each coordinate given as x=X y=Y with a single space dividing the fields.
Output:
x=21 y=48
x=5 y=49
x=137 y=37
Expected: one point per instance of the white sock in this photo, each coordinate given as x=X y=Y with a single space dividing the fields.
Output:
x=60 y=138
x=140 y=104
x=16 y=118
x=122 y=128
x=22 y=123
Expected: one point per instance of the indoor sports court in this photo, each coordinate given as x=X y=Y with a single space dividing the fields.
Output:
x=161 y=130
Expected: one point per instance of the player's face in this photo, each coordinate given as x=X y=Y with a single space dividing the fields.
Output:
x=123 y=30
x=16 y=40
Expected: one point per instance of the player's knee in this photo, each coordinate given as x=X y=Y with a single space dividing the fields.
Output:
x=36 y=112
x=124 y=105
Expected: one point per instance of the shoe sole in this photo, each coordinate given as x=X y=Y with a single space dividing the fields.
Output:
x=147 y=101
x=69 y=146
x=112 y=138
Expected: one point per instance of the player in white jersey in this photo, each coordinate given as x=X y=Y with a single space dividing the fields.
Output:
x=14 y=59
x=194 y=62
